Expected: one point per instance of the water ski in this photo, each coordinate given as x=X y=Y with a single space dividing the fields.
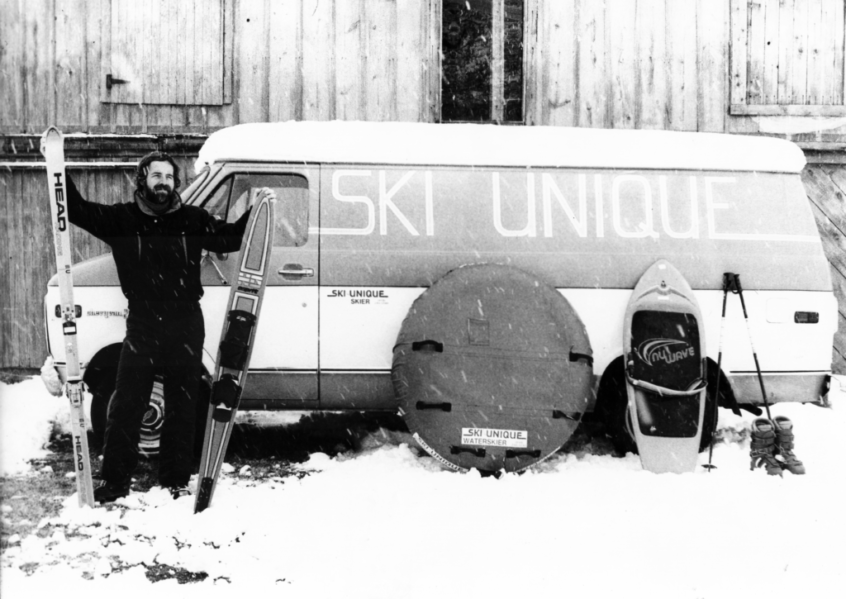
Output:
x=664 y=346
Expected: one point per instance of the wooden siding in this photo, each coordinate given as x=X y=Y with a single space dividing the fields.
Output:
x=292 y=59
x=650 y=64
x=826 y=187
x=27 y=259
x=676 y=64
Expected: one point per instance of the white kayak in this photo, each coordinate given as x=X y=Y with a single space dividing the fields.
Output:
x=664 y=346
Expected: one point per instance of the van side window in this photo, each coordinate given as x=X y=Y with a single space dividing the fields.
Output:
x=231 y=199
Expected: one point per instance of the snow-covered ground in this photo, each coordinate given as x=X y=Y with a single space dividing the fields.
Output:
x=388 y=522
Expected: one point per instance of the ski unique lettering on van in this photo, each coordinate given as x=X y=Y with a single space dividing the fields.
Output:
x=538 y=204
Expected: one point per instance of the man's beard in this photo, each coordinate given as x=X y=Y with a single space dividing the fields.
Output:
x=160 y=195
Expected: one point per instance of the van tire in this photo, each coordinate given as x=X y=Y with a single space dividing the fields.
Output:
x=149 y=444
x=612 y=403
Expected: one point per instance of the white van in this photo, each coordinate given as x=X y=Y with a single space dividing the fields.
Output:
x=393 y=239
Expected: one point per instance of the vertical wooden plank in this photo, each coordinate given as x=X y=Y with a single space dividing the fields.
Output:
x=286 y=75
x=771 y=51
x=713 y=35
x=739 y=51
x=497 y=60
x=532 y=67
x=223 y=115
x=186 y=25
x=212 y=52
x=29 y=275
x=755 y=54
x=798 y=82
x=318 y=60
x=39 y=97
x=433 y=69
x=411 y=52
x=16 y=260
x=169 y=91
x=350 y=76
x=6 y=240
x=621 y=18
x=651 y=68
x=229 y=47
x=194 y=118
x=559 y=63
x=834 y=29
x=253 y=98
x=380 y=65
x=591 y=71
x=12 y=66
x=785 y=51
x=682 y=84
x=69 y=71
x=120 y=41
x=839 y=24
x=816 y=60
x=91 y=66
x=105 y=110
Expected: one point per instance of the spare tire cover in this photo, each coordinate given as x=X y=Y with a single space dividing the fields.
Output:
x=492 y=369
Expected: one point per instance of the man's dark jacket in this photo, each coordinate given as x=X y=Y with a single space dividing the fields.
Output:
x=157 y=256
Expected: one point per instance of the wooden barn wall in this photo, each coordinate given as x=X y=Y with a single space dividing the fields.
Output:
x=590 y=63
x=655 y=64
x=293 y=59
x=594 y=63
x=26 y=250
x=826 y=188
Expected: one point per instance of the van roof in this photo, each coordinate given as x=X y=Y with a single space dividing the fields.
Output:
x=357 y=142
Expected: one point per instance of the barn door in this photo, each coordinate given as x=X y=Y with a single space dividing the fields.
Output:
x=167 y=52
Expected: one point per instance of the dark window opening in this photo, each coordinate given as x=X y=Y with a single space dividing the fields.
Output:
x=482 y=61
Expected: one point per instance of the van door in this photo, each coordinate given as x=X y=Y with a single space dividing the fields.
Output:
x=283 y=366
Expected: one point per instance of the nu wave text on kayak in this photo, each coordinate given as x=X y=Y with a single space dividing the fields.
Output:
x=547 y=204
x=667 y=351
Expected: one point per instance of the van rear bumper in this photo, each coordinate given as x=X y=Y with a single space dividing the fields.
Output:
x=800 y=387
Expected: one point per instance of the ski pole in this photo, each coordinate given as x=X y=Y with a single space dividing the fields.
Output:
x=754 y=353
x=710 y=465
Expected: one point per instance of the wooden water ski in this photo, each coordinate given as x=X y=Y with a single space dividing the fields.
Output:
x=236 y=343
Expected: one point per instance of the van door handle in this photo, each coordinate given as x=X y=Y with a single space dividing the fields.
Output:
x=295 y=271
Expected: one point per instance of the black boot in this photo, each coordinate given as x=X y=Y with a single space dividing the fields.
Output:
x=763 y=446
x=106 y=492
x=784 y=446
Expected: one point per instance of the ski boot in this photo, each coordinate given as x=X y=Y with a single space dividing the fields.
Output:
x=106 y=492
x=784 y=445
x=763 y=447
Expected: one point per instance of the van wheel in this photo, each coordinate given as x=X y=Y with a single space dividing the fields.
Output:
x=151 y=425
x=611 y=408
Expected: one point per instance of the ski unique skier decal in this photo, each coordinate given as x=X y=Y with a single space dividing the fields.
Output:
x=236 y=342
x=52 y=147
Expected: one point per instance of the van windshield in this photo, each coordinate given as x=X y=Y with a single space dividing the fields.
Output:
x=189 y=192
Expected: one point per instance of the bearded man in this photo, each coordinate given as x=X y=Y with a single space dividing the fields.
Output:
x=157 y=244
